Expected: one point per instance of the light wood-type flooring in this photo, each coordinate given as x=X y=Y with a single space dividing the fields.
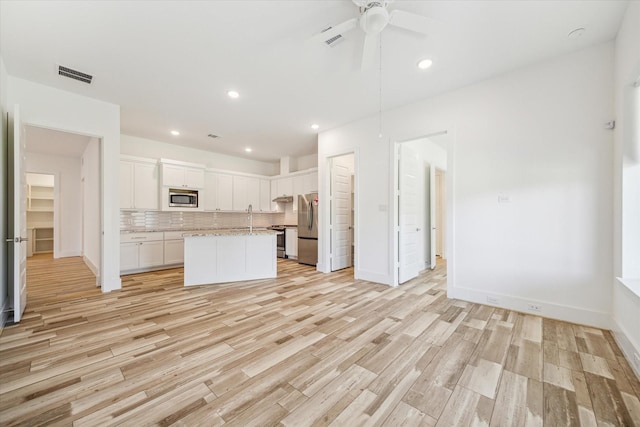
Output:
x=303 y=349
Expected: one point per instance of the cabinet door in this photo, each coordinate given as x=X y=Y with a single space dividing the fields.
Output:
x=225 y=192
x=240 y=193
x=145 y=194
x=151 y=254
x=193 y=178
x=174 y=252
x=311 y=183
x=126 y=185
x=291 y=242
x=172 y=176
x=285 y=187
x=253 y=193
x=128 y=256
x=298 y=188
x=265 y=195
x=274 y=194
x=209 y=195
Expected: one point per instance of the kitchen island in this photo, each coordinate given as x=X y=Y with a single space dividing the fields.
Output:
x=229 y=256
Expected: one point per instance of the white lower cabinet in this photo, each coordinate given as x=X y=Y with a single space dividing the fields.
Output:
x=173 y=248
x=129 y=258
x=151 y=254
x=291 y=242
x=140 y=251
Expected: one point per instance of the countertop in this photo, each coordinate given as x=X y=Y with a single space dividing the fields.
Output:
x=192 y=230
x=232 y=232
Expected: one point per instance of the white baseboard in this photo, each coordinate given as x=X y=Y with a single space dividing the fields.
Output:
x=555 y=311
x=94 y=269
x=628 y=348
x=66 y=254
x=373 y=277
x=4 y=314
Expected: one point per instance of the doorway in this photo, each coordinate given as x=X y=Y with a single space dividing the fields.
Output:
x=63 y=168
x=342 y=212
x=420 y=209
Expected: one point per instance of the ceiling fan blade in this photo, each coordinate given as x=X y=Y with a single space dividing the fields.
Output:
x=411 y=21
x=336 y=30
x=371 y=44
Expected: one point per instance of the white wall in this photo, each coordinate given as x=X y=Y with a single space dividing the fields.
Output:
x=91 y=205
x=304 y=162
x=68 y=222
x=535 y=134
x=4 y=290
x=141 y=147
x=60 y=110
x=625 y=309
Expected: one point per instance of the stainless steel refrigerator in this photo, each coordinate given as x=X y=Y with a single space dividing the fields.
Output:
x=308 y=228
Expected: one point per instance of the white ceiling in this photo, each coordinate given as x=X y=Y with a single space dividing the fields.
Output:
x=48 y=141
x=169 y=64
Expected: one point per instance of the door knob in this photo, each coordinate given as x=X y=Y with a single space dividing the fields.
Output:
x=417 y=229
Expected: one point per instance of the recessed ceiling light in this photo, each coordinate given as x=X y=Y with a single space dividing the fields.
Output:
x=315 y=126
x=424 y=64
x=233 y=94
x=576 y=34
x=248 y=149
x=175 y=133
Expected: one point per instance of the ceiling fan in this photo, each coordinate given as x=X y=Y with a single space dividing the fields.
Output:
x=374 y=17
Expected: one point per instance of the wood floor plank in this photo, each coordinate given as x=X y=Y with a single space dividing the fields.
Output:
x=305 y=348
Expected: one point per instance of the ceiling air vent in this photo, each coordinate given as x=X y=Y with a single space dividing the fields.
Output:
x=74 y=74
x=213 y=136
x=333 y=39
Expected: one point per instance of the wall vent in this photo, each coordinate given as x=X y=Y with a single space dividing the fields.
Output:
x=333 y=40
x=74 y=74
x=213 y=136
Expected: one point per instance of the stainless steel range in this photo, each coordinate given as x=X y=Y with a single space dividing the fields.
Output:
x=280 y=240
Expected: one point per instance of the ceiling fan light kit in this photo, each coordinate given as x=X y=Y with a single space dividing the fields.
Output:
x=374 y=18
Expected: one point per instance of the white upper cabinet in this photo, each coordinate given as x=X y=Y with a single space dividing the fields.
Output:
x=240 y=197
x=265 y=195
x=298 y=188
x=285 y=186
x=218 y=191
x=253 y=193
x=138 y=185
x=145 y=189
x=179 y=176
x=311 y=182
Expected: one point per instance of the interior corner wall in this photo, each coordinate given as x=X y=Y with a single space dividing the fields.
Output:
x=57 y=109
x=68 y=240
x=535 y=134
x=141 y=147
x=4 y=279
x=625 y=308
x=91 y=205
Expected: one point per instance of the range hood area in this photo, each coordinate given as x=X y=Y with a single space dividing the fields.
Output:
x=283 y=199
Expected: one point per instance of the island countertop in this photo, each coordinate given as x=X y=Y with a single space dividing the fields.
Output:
x=230 y=232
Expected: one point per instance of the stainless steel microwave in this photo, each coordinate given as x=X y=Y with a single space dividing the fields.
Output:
x=179 y=198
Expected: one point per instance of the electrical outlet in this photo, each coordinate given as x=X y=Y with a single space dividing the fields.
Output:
x=493 y=300
x=534 y=307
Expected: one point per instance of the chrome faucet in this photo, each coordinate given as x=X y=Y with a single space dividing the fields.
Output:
x=250 y=216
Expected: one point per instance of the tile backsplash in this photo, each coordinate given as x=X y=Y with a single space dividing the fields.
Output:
x=164 y=221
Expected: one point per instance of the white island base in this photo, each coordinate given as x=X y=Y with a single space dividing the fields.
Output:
x=229 y=257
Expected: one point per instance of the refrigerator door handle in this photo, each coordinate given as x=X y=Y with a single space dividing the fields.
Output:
x=311 y=211
x=308 y=215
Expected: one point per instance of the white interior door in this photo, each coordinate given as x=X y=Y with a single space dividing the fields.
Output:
x=17 y=217
x=432 y=216
x=340 y=214
x=439 y=214
x=408 y=213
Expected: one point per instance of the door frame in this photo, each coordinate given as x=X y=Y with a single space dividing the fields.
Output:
x=394 y=149
x=57 y=212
